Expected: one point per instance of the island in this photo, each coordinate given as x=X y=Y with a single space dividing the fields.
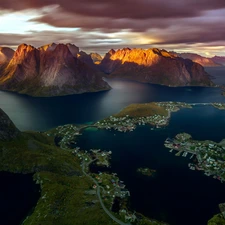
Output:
x=210 y=155
x=147 y=172
x=156 y=114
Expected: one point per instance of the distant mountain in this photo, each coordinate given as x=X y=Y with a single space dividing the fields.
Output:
x=96 y=58
x=154 y=66
x=50 y=70
x=204 y=61
x=8 y=130
x=6 y=54
x=219 y=60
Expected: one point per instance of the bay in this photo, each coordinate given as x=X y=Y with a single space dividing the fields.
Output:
x=175 y=194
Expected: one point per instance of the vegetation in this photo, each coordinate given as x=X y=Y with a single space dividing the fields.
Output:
x=217 y=220
x=142 y=110
x=65 y=193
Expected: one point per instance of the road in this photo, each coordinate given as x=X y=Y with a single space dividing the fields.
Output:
x=100 y=198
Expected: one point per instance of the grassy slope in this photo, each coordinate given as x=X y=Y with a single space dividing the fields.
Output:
x=142 y=110
x=217 y=220
x=64 y=198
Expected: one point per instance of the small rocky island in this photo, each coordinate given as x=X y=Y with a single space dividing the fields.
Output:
x=147 y=172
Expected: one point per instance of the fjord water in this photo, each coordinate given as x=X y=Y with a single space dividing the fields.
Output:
x=18 y=195
x=30 y=113
x=176 y=194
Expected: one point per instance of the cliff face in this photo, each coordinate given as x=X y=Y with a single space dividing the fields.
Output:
x=154 y=66
x=8 y=130
x=204 y=61
x=49 y=71
x=85 y=58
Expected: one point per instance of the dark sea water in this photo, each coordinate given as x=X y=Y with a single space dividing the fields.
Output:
x=176 y=194
x=30 y=113
x=18 y=195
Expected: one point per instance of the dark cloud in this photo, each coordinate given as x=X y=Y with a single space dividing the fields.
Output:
x=189 y=33
x=133 y=9
x=162 y=22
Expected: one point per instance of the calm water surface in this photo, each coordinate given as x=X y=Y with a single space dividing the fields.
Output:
x=30 y=113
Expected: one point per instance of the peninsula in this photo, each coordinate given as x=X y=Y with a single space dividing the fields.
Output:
x=210 y=155
x=156 y=114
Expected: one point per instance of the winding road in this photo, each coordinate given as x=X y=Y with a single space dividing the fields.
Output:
x=100 y=198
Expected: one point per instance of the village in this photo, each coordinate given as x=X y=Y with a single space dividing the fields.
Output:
x=109 y=184
x=124 y=124
x=219 y=105
x=210 y=155
x=129 y=123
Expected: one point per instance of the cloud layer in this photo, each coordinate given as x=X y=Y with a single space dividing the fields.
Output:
x=128 y=22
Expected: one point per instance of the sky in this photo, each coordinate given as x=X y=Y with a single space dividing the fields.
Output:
x=99 y=25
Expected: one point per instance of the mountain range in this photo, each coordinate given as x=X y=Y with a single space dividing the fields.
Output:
x=154 y=66
x=62 y=69
x=50 y=70
x=204 y=61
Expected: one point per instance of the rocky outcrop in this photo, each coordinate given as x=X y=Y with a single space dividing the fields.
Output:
x=204 y=61
x=8 y=130
x=50 y=70
x=96 y=58
x=154 y=66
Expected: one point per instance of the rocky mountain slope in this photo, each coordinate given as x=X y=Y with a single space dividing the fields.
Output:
x=154 y=66
x=204 y=61
x=8 y=130
x=219 y=60
x=6 y=54
x=50 y=70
